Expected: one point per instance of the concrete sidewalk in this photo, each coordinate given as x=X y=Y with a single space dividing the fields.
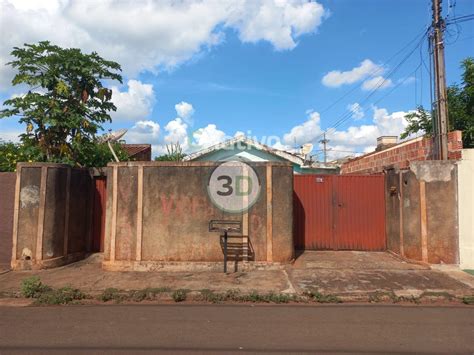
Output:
x=347 y=274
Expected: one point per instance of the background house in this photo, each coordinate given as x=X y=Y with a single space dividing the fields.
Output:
x=138 y=152
x=247 y=150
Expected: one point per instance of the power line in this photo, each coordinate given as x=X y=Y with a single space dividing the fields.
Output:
x=381 y=82
x=348 y=113
x=374 y=72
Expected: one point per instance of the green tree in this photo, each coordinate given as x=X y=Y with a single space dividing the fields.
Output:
x=419 y=120
x=174 y=153
x=461 y=104
x=90 y=155
x=460 y=109
x=66 y=102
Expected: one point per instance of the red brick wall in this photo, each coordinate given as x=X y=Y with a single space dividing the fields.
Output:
x=400 y=155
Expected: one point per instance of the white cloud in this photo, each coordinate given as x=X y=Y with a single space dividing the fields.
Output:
x=366 y=69
x=357 y=111
x=134 y=104
x=151 y=35
x=376 y=83
x=10 y=135
x=207 y=136
x=177 y=132
x=184 y=110
x=144 y=132
x=278 y=22
x=354 y=139
x=305 y=132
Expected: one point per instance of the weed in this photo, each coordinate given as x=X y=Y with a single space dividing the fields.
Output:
x=320 y=298
x=146 y=294
x=468 y=299
x=111 y=294
x=232 y=295
x=279 y=298
x=441 y=294
x=210 y=296
x=32 y=287
x=64 y=295
x=179 y=295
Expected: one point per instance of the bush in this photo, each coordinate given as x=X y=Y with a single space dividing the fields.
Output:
x=64 y=295
x=32 y=287
x=110 y=294
x=468 y=299
x=179 y=295
x=320 y=298
x=13 y=153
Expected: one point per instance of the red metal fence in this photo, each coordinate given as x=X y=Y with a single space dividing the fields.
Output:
x=339 y=212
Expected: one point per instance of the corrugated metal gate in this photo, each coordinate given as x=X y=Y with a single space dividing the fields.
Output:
x=339 y=212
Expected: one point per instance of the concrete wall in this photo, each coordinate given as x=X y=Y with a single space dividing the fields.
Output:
x=160 y=212
x=422 y=212
x=400 y=155
x=52 y=215
x=466 y=209
x=7 y=201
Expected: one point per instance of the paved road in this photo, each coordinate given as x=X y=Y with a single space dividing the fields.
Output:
x=239 y=328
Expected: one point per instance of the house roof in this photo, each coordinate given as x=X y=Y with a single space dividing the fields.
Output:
x=294 y=158
x=134 y=149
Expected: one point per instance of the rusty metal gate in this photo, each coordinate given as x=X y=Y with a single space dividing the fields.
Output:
x=339 y=212
x=98 y=214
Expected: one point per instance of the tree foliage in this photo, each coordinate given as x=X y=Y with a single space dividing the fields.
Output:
x=174 y=153
x=90 y=155
x=460 y=109
x=66 y=102
x=418 y=121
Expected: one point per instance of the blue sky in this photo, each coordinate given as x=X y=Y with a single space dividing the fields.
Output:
x=244 y=74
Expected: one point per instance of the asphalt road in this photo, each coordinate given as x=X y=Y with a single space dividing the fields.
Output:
x=237 y=328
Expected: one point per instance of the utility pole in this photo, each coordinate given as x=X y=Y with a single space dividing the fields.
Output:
x=441 y=117
x=325 y=141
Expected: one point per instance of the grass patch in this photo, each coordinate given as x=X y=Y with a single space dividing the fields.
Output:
x=469 y=271
x=111 y=294
x=207 y=295
x=321 y=298
x=179 y=295
x=32 y=287
x=63 y=295
x=148 y=294
x=254 y=297
x=468 y=300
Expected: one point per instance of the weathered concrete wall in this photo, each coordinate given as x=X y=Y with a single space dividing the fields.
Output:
x=466 y=209
x=422 y=212
x=160 y=212
x=52 y=215
x=7 y=201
